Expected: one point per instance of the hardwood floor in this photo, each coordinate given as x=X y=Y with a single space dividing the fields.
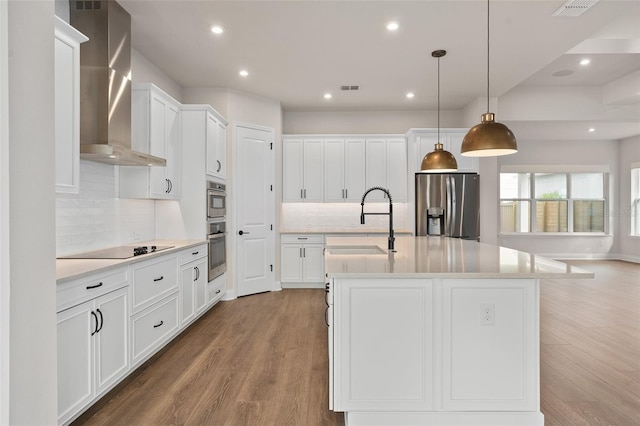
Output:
x=262 y=360
x=590 y=346
x=257 y=360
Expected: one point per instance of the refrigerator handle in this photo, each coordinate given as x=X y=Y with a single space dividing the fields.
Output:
x=451 y=206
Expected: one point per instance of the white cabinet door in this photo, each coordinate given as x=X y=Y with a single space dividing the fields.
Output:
x=221 y=149
x=397 y=169
x=334 y=170
x=313 y=262
x=111 y=340
x=292 y=185
x=187 y=295
x=67 y=106
x=75 y=359
x=313 y=162
x=354 y=169
x=216 y=146
x=200 y=284
x=291 y=263
x=376 y=167
x=155 y=129
x=302 y=170
x=396 y=375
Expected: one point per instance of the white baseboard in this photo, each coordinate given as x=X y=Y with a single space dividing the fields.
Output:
x=229 y=295
x=444 y=418
x=302 y=285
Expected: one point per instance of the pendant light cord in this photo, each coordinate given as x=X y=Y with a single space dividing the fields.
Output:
x=438 y=99
x=487 y=55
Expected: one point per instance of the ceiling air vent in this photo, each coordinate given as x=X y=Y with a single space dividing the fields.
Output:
x=573 y=8
x=349 y=88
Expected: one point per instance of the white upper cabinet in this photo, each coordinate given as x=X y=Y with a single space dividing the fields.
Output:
x=216 y=145
x=302 y=174
x=344 y=169
x=67 y=106
x=155 y=129
x=451 y=139
x=386 y=166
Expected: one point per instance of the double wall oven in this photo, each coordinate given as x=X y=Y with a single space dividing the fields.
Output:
x=216 y=228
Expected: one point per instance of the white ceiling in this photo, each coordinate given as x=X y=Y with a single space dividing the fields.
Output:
x=295 y=51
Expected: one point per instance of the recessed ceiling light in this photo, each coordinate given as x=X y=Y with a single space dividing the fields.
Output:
x=585 y=62
x=392 y=26
x=410 y=95
x=327 y=96
x=591 y=130
x=217 y=29
x=243 y=73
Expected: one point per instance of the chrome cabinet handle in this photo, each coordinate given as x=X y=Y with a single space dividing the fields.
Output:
x=197 y=273
x=243 y=232
x=89 y=287
x=194 y=253
x=218 y=291
x=158 y=279
x=326 y=316
x=158 y=325
x=219 y=166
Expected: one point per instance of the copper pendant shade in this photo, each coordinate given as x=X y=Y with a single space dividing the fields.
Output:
x=439 y=161
x=488 y=139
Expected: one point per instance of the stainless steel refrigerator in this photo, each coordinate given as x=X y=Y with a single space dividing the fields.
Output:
x=448 y=204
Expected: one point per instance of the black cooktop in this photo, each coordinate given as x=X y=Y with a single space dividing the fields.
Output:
x=122 y=252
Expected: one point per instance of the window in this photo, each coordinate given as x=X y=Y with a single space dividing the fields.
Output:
x=635 y=201
x=553 y=202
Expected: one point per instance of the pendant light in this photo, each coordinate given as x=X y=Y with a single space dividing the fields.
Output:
x=488 y=138
x=439 y=161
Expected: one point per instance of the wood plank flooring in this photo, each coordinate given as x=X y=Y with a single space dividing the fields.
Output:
x=262 y=360
x=590 y=346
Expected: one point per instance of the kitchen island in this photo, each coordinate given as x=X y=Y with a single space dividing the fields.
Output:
x=440 y=331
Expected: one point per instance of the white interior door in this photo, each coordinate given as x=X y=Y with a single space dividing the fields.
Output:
x=255 y=209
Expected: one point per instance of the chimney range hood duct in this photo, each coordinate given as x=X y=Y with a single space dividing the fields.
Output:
x=105 y=84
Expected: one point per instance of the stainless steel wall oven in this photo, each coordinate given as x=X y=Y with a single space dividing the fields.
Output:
x=216 y=236
x=216 y=200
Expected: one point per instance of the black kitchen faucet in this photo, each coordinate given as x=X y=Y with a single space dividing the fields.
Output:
x=390 y=213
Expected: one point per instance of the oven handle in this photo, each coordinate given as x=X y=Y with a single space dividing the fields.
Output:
x=214 y=236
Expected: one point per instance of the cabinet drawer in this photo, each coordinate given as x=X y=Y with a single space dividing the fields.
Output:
x=153 y=280
x=72 y=293
x=216 y=289
x=307 y=238
x=153 y=327
x=197 y=252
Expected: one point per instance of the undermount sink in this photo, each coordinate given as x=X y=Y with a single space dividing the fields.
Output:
x=355 y=250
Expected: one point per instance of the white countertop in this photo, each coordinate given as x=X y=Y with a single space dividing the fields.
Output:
x=441 y=257
x=69 y=269
x=359 y=230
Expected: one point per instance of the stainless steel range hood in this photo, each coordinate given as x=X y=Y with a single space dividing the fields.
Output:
x=105 y=84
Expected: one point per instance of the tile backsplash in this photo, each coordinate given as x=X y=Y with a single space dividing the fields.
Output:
x=340 y=216
x=96 y=218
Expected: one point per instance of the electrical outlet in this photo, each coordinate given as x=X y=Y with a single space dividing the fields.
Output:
x=487 y=313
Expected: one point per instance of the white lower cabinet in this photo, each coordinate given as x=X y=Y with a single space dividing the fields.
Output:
x=424 y=351
x=302 y=261
x=193 y=282
x=111 y=322
x=92 y=351
x=152 y=328
x=216 y=289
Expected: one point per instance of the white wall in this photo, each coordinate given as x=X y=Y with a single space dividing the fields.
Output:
x=596 y=153
x=388 y=122
x=628 y=247
x=4 y=219
x=96 y=218
x=33 y=363
x=143 y=71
